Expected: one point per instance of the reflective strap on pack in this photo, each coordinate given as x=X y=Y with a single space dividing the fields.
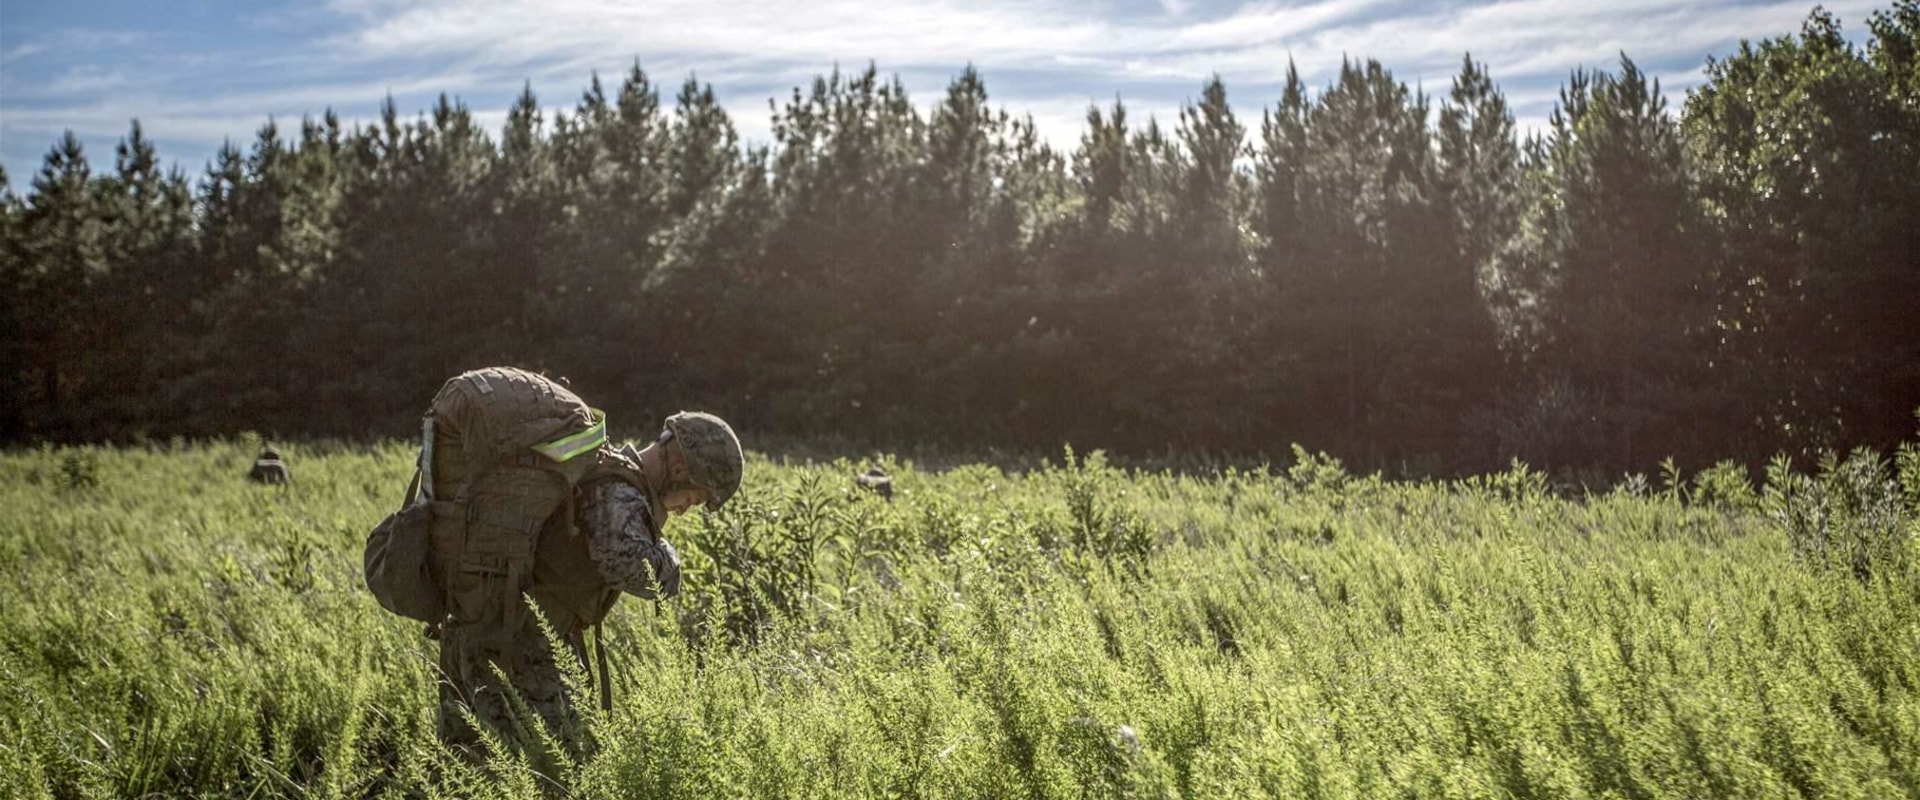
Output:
x=564 y=449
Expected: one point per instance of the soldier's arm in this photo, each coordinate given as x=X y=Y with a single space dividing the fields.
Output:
x=624 y=543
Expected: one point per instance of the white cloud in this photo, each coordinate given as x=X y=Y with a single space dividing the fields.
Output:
x=68 y=40
x=85 y=79
x=519 y=31
x=1265 y=23
x=210 y=117
x=1048 y=58
x=18 y=52
x=760 y=38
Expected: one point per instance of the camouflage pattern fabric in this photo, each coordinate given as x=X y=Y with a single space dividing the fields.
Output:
x=469 y=655
x=624 y=541
x=628 y=554
x=714 y=459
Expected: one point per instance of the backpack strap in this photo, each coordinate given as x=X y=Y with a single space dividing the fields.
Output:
x=413 y=489
x=426 y=457
x=606 y=678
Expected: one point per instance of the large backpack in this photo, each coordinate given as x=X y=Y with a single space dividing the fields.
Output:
x=501 y=450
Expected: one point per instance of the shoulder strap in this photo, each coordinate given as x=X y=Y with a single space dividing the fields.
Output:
x=426 y=458
x=606 y=678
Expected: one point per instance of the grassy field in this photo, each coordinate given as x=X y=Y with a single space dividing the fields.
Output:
x=1068 y=631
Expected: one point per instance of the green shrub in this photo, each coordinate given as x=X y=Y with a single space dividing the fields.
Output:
x=1850 y=515
x=1070 y=631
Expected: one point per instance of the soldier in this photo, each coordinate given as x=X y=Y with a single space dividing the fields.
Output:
x=270 y=469
x=521 y=505
x=875 y=480
x=618 y=548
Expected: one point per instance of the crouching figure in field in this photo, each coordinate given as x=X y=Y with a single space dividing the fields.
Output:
x=877 y=481
x=522 y=510
x=270 y=468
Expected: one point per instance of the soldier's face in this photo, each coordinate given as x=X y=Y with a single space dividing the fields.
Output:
x=680 y=499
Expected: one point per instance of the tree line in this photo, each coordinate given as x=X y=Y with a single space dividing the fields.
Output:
x=1404 y=280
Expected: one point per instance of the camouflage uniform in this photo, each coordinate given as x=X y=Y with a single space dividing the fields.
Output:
x=614 y=548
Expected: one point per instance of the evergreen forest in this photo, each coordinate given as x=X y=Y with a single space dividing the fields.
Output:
x=1407 y=281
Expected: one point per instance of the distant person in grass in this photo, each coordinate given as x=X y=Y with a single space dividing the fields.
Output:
x=876 y=480
x=532 y=509
x=270 y=468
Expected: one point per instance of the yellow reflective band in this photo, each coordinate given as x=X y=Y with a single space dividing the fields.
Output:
x=565 y=449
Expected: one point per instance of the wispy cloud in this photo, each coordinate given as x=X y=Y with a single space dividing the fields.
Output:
x=72 y=40
x=1529 y=34
x=85 y=79
x=1154 y=60
x=1047 y=58
x=18 y=52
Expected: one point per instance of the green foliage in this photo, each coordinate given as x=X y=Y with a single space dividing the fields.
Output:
x=754 y=562
x=1386 y=276
x=79 y=469
x=178 y=631
x=1518 y=484
x=1102 y=524
x=1907 y=461
x=1779 y=131
x=1724 y=485
x=1849 y=516
x=1316 y=471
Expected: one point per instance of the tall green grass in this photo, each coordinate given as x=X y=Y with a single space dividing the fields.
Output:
x=1070 y=631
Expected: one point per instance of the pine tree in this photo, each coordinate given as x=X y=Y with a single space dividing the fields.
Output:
x=1364 y=201
x=1210 y=196
x=526 y=215
x=14 y=382
x=700 y=258
x=411 y=282
x=144 y=339
x=1280 y=169
x=1625 y=308
x=1207 y=272
x=705 y=149
x=1284 y=221
x=965 y=139
x=1480 y=167
x=1101 y=167
x=61 y=259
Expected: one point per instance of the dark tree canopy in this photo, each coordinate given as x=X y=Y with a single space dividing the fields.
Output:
x=1358 y=267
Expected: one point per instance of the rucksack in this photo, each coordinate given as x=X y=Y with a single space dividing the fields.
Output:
x=398 y=562
x=501 y=450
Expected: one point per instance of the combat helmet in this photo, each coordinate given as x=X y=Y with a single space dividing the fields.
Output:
x=714 y=460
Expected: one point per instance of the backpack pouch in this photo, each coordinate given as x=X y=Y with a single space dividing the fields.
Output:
x=399 y=567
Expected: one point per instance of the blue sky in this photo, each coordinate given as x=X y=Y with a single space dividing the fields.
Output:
x=197 y=72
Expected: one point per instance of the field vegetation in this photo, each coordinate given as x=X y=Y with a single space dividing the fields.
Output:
x=1068 y=629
